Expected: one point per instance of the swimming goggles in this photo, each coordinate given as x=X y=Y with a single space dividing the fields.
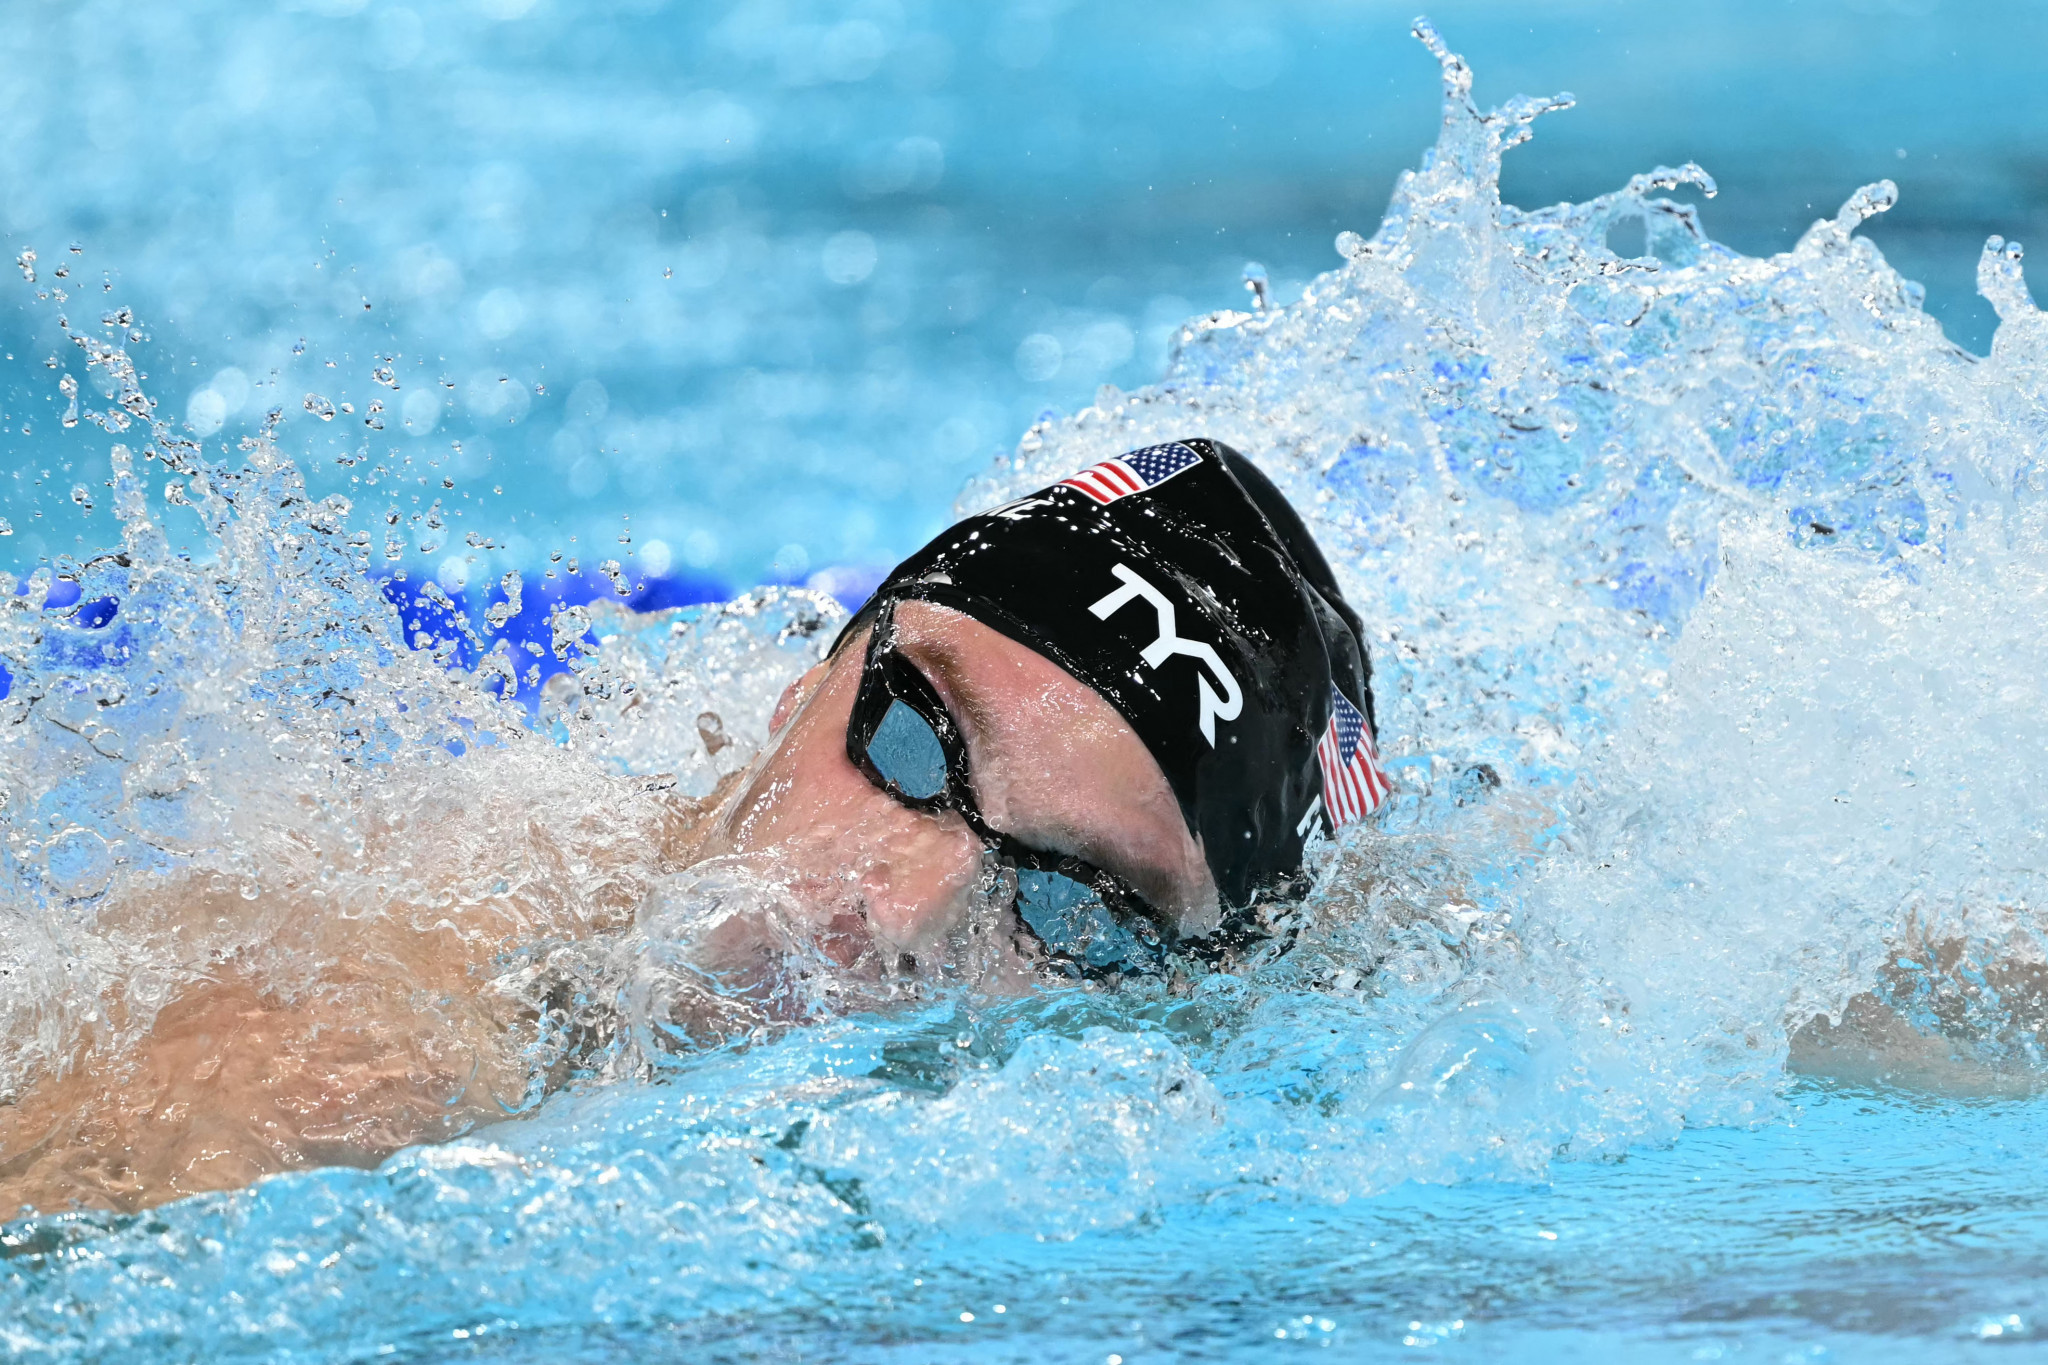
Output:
x=902 y=737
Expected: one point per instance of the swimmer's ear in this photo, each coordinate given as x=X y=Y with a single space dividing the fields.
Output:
x=793 y=697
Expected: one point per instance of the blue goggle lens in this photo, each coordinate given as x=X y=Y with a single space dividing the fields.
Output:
x=1070 y=919
x=907 y=752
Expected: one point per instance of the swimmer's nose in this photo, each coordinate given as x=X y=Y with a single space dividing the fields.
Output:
x=913 y=874
x=912 y=906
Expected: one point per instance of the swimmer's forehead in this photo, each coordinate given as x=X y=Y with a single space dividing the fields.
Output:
x=982 y=673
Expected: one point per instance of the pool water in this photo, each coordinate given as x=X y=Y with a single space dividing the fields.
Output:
x=1860 y=1225
x=774 y=279
x=1704 y=590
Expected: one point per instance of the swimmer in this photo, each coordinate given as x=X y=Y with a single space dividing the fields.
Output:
x=1118 y=708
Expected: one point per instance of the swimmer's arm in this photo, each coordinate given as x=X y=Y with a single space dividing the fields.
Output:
x=231 y=1085
x=389 y=1039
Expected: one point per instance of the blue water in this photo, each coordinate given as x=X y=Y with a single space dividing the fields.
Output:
x=647 y=194
x=1805 y=1239
x=1724 y=559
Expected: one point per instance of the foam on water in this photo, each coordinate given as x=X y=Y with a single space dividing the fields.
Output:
x=1704 y=590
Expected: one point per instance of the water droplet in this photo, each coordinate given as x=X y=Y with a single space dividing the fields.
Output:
x=1350 y=245
x=27 y=261
x=497 y=615
x=386 y=376
x=567 y=626
x=319 y=407
x=1255 y=281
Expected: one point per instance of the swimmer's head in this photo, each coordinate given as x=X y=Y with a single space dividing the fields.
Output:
x=1137 y=689
x=1178 y=584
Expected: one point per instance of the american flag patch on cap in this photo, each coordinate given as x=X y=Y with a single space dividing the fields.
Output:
x=1133 y=473
x=1354 y=784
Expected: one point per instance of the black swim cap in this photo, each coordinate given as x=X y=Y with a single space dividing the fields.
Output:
x=1178 y=583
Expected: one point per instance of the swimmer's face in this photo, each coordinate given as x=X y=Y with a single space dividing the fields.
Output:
x=1052 y=765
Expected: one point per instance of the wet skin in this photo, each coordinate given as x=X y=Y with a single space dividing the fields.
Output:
x=395 y=1035
x=1052 y=764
